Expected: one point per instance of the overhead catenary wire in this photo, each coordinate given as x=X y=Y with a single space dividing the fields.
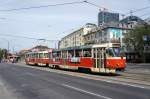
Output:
x=51 y=5
x=144 y=14
x=138 y=10
x=123 y=14
x=71 y=3
x=103 y=8
x=100 y=7
x=61 y=4
x=41 y=6
x=95 y=5
x=25 y=37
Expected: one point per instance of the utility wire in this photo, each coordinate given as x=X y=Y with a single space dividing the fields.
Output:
x=95 y=5
x=16 y=36
x=138 y=10
x=134 y=11
x=100 y=7
x=42 y=6
x=70 y=3
x=144 y=14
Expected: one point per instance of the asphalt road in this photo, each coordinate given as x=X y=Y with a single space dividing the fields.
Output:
x=139 y=66
x=30 y=83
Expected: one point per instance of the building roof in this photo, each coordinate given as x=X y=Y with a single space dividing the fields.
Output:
x=147 y=20
x=132 y=18
x=72 y=33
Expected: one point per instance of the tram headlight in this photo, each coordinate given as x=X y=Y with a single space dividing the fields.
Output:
x=108 y=64
x=118 y=64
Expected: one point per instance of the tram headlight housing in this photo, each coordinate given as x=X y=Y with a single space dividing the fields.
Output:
x=108 y=64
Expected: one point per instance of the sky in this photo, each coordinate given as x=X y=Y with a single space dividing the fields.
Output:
x=54 y=22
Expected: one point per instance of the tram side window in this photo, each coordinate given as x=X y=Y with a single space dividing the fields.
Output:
x=109 y=53
x=36 y=55
x=56 y=54
x=79 y=53
x=87 y=53
x=27 y=55
x=41 y=55
x=97 y=52
x=49 y=55
x=70 y=54
x=46 y=55
x=64 y=54
x=32 y=56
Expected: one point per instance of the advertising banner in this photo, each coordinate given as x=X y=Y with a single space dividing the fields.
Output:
x=115 y=34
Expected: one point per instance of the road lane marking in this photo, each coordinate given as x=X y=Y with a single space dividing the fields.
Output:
x=108 y=81
x=137 y=86
x=84 y=91
x=114 y=81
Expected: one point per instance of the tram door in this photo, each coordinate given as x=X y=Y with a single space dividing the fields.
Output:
x=100 y=57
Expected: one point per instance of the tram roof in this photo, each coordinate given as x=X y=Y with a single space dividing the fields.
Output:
x=92 y=46
x=77 y=47
x=38 y=52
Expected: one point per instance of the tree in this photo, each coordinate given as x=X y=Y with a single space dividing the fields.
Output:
x=134 y=38
x=3 y=53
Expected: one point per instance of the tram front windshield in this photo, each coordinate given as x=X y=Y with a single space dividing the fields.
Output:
x=113 y=52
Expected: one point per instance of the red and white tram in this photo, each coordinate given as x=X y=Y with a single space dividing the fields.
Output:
x=40 y=58
x=103 y=58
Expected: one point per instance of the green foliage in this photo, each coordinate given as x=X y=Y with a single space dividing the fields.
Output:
x=3 y=53
x=135 y=37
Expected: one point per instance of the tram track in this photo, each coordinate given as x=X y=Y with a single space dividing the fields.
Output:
x=138 y=73
x=124 y=75
x=38 y=80
x=135 y=76
x=123 y=78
